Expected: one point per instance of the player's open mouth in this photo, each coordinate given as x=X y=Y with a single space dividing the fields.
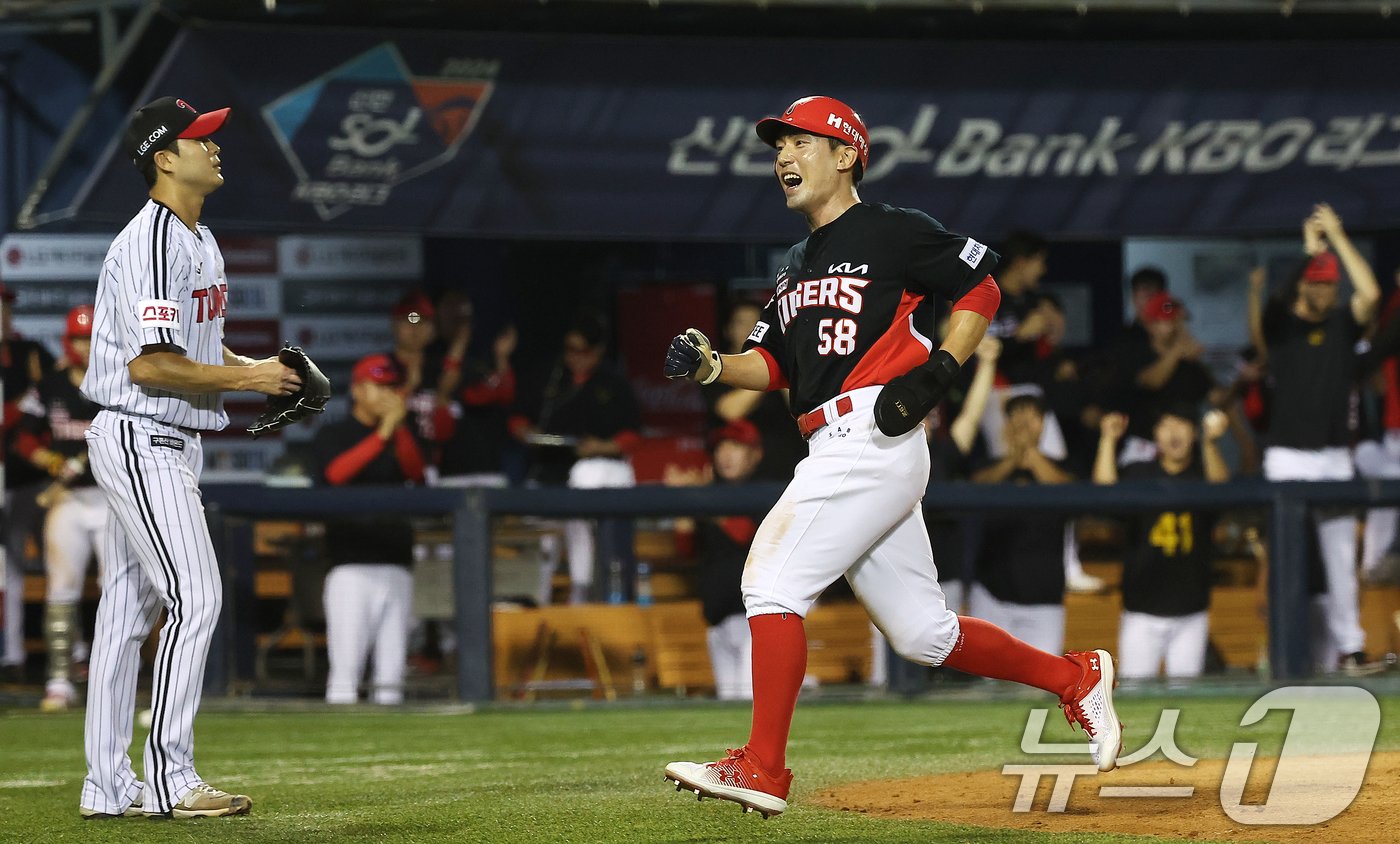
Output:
x=791 y=180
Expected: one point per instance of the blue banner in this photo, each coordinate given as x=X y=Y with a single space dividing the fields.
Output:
x=594 y=137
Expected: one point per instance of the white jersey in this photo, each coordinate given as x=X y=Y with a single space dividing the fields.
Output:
x=161 y=284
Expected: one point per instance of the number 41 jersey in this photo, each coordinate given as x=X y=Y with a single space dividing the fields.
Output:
x=842 y=314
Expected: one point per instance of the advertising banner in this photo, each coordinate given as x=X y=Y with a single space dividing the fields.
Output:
x=557 y=136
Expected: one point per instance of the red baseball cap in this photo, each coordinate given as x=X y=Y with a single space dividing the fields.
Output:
x=1163 y=306
x=79 y=322
x=415 y=303
x=823 y=116
x=159 y=122
x=1323 y=267
x=741 y=431
x=379 y=369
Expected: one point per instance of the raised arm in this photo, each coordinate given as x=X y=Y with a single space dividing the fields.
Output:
x=1258 y=281
x=737 y=404
x=964 y=429
x=1213 y=427
x=1111 y=430
x=1367 y=293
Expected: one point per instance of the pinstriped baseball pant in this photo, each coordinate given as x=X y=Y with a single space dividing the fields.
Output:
x=158 y=556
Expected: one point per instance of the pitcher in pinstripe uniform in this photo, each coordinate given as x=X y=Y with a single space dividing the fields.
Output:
x=158 y=370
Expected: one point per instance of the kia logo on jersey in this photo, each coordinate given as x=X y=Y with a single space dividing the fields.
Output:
x=847 y=269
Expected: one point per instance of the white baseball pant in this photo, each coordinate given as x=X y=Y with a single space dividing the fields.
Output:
x=158 y=556
x=1040 y=625
x=590 y=473
x=731 y=658
x=73 y=532
x=853 y=508
x=1336 y=537
x=1145 y=641
x=1379 y=460
x=368 y=607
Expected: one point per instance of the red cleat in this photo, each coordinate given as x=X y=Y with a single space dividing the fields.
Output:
x=737 y=777
x=1089 y=703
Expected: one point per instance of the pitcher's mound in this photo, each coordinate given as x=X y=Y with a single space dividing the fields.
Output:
x=986 y=798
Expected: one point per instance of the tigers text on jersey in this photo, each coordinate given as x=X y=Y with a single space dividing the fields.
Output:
x=161 y=284
x=842 y=313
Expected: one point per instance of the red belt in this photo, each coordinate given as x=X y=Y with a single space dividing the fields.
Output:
x=809 y=423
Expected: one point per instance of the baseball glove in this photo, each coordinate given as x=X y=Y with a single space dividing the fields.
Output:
x=282 y=411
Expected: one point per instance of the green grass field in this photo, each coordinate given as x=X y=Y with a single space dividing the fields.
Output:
x=557 y=773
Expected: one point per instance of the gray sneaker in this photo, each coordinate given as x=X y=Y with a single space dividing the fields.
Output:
x=206 y=801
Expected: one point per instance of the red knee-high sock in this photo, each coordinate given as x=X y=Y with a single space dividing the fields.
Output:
x=988 y=651
x=779 y=662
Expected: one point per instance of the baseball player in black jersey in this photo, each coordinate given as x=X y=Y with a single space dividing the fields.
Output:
x=843 y=333
x=369 y=590
x=1167 y=564
x=55 y=422
x=23 y=364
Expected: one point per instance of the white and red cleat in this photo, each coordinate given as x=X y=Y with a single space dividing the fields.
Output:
x=1089 y=703
x=737 y=777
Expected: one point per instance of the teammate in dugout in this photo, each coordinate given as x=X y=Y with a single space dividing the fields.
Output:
x=23 y=364
x=51 y=435
x=414 y=331
x=369 y=590
x=159 y=369
x=1167 y=568
x=841 y=333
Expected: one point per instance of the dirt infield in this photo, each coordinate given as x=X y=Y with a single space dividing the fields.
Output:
x=985 y=799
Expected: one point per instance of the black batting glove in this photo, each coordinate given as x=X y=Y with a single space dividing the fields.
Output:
x=690 y=356
x=907 y=399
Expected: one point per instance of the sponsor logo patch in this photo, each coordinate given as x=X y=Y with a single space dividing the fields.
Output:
x=164 y=441
x=759 y=329
x=972 y=253
x=158 y=313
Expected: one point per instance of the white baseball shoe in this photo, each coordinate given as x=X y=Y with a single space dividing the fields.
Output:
x=1089 y=703
x=59 y=695
x=132 y=811
x=738 y=778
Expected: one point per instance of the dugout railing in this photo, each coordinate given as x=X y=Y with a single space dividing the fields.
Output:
x=232 y=509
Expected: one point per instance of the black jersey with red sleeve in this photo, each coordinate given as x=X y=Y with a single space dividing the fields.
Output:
x=349 y=452
x=56 y=416
x=843 y=313
x=23 y=364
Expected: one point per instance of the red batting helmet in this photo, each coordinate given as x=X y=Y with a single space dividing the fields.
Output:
x=823 y=116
